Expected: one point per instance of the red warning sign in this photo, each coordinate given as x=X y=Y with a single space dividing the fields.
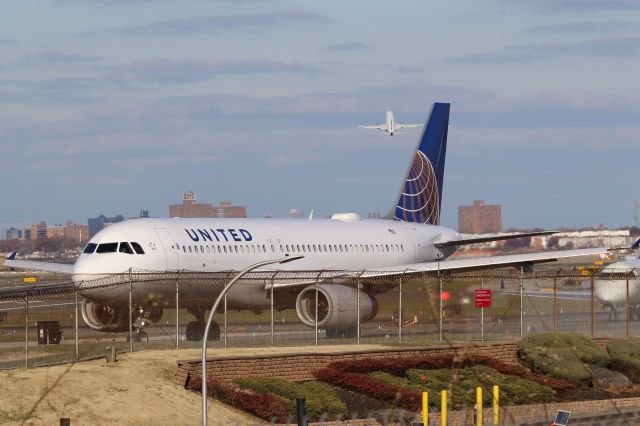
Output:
x=483 y=298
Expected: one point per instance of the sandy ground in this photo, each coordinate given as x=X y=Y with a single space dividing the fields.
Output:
x=139 y=389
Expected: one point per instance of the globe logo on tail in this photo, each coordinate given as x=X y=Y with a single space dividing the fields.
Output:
x=420 y=200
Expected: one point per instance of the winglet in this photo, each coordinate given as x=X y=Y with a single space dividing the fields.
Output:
x=636 y=245
x=12 y=256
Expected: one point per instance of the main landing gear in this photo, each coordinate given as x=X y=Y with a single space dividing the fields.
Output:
x=634 y=312
x=195 y=329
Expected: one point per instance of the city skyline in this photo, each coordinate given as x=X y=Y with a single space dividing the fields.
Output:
x=114 y=106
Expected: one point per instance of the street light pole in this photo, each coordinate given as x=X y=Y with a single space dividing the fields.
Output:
x=213 y=310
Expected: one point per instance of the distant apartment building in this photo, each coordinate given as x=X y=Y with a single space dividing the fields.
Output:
x=95 y=224
x=479 y=218
x=295 y=214
x=70 y=230
x=191 y=208
x=14 y=234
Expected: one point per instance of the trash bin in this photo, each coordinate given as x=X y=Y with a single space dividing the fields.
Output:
x=49 y=332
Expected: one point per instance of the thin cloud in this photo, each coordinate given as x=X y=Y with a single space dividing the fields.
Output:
x=56 y=57
x=348 y=46
x=613 y=47
x=551 y=6
x=8 y=42
x=163 y=70
x=216 y=24
x=404 y=69
x=585 y=27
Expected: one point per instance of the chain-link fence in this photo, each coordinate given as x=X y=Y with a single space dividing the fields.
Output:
x=57 y=320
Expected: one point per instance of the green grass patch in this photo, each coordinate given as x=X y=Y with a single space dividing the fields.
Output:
x=462 y=384
x=625 y=357
x=561 y=355
x=321 y=399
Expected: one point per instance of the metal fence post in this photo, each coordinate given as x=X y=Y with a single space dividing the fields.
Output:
x=440 y=314
x=75 y=319
x=482 y=312
x=130 y=313
x=225 y=321
x=555 y=304
x=272 y=313
x=358 y=313
x=178 y=311
x=593 y=307
x=628 y=308
x=521 y=301
x=316 y=319
x=26 y=332
x=400 y=312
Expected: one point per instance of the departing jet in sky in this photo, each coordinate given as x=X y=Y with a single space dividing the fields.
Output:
x=390 y=126
x=408 y=242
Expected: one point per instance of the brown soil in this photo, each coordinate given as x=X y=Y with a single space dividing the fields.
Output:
x=138 y=389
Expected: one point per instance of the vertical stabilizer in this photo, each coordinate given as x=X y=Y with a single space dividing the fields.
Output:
x=420 y=195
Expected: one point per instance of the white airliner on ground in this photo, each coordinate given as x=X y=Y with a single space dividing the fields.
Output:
x=610 y=288
x=407 y=242
x=390 y=126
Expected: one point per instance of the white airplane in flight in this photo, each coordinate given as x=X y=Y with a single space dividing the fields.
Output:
x=390 y=126
x=407 y=243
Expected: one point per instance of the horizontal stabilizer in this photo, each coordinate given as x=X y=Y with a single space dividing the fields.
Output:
x=466 y=241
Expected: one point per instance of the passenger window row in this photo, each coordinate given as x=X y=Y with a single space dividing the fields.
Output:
x=123 y=247
x=295 y=248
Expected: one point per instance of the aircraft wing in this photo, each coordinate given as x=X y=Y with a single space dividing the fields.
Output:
x=457 y=265
x=407 y=126
x=58 y=268
x=456 y=243
x=452 y=265
x=375 y=126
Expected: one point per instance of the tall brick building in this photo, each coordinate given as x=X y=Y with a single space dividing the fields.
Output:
x=191 y=208
x=479 y=218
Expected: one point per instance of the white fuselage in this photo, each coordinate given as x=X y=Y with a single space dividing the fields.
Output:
x=391 y=124
x=212 y=245
x=215 y=245
x=614 y=291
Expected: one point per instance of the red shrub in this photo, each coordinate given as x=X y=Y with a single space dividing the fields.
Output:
x=260 y=405
x=399 y=367
x=370 y=386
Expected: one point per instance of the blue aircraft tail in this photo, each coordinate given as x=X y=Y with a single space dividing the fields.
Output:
x=420 y=195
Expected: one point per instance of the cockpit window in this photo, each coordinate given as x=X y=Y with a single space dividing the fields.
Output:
x=90 y=248
x=107 y=248
x=138 y=248
x=125 y=248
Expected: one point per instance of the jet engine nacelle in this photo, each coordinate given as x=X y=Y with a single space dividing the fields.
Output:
x=104 y=317
x=336 y=306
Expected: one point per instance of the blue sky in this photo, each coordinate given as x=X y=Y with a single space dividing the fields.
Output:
x=111 y=106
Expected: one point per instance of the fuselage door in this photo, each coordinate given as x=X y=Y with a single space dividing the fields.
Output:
x=414 y=245
x=170 y=249
x=272 y=249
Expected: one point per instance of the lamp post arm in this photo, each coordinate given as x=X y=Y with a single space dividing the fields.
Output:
x=208 y=326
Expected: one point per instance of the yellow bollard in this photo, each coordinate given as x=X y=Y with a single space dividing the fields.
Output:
x=443 y=408
x=479 y=406
x=425 y=408
x=496 y=405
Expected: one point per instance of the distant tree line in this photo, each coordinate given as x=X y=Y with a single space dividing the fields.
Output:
x=48 y=245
